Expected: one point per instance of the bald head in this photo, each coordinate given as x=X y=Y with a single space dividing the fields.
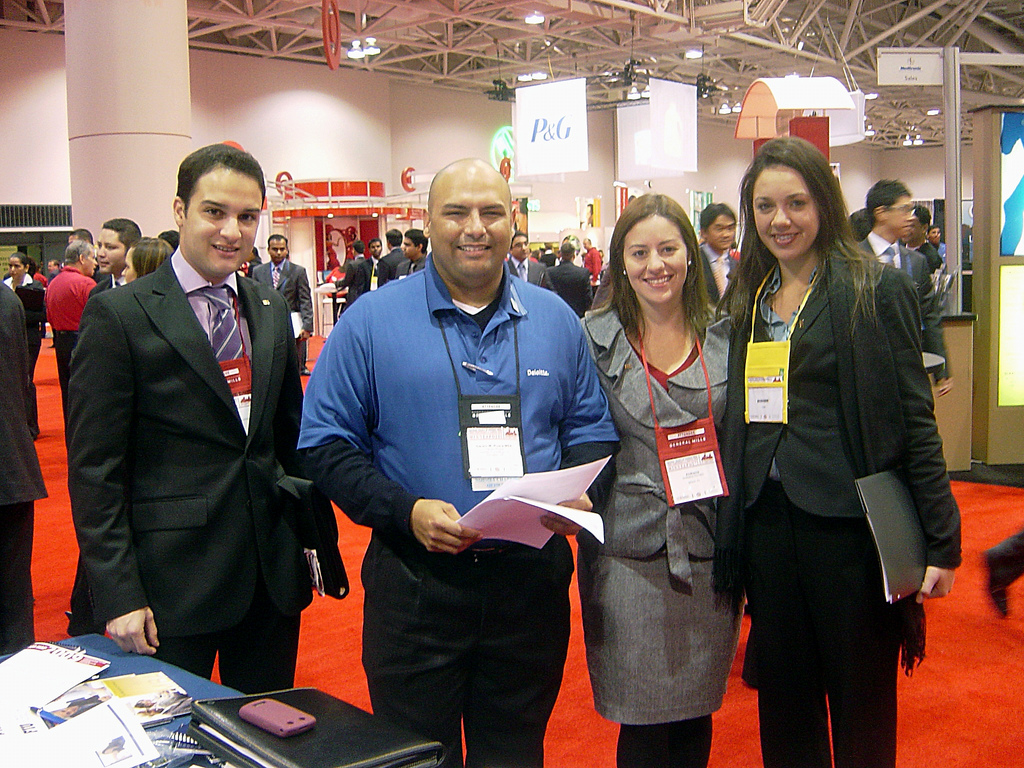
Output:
x=464 y=170
x=469 y=223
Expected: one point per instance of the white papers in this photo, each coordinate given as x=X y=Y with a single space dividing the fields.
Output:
x=107 y=735
x=42 y=672
x=296 y=324
x=513 y=512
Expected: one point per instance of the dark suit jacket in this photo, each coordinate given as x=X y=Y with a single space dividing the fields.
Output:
x=881 y=397
x=175 y=506
x=536 y=272
x=357 y=279
x=572 y=283
x=387 y=266
x=916 y=265
x=21 y=480
x=293 y=285
x=709 y=277
x=103 y=283
x=411 y=267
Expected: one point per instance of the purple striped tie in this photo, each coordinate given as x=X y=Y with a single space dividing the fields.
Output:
x=225 y=335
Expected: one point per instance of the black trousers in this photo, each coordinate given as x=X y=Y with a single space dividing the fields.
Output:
x=17 y=628
x=1006 y=559
x=256 y=655
x=35 y=342
x=63 y=345
x=475 y=641
x=827 y=642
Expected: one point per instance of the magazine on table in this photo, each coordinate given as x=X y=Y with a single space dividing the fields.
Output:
x=152 y=697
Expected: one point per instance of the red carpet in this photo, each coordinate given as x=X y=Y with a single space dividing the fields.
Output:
x=963 y=708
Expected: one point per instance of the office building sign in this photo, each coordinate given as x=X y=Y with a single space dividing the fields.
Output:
x=550 y=128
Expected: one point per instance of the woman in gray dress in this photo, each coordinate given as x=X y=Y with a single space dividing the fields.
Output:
x=659 y=645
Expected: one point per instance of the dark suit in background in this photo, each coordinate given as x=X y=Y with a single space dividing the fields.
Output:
x=176 y=507
x=916 y=265
x=387 y=266
x=714 y=295
x=21 y=482
x=572 y=283
x=293 y=284
x=357 y=279
x=536 y=272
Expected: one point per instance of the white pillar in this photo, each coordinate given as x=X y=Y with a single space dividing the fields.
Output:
x=129 y=108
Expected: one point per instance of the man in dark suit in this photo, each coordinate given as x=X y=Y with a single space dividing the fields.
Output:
x=178 y=456
x=414 y=246
x=523 y=265
x=117 y=236
x=570 y=282
x=290 y=279
x=21 y=482
x=718 y=233
x=889 y=204
x=387 y=266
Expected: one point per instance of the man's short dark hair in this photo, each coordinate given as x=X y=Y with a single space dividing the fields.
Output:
x=128 y=231
x=373 y=240
x=923 y=215
x=713 y=211
x=277 y=236
x=860 y=222
x=205 y=159
x=416 y=237
x=82 y=234
x=884 y=194
x=172 y=237
x=520 y=233
x=359 y=247
x=394 y=237
x=566 y=251
x=76 y=251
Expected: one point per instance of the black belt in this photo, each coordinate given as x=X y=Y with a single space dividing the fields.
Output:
x=65 y=333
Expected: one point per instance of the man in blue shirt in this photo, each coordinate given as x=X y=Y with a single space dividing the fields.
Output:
x=457 y=632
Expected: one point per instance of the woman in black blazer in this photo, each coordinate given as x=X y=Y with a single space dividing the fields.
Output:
x=792 y=534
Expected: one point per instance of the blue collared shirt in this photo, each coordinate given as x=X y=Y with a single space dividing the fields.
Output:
x=384 y=381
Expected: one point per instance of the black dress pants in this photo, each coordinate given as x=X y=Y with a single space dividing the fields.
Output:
x=63 y=346
x=17 y=628
x=256 y=655
x=828 y=643
x=474 y=641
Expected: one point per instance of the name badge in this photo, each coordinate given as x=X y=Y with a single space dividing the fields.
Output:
x=691 y=463
x=766 y=382
x=238 y=375
x=492 y=441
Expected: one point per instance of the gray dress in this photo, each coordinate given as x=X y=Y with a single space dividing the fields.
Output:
x=659 y=644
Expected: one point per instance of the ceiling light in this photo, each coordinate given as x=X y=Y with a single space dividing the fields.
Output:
x=800 y=45
x=933 y=112
x=793 y=74
x=524 y=78
x=725 y=109
x=694 y=53
x=633 y=94
x=869 y=132
x=540 y=75
x=907 y=142
x=646 y=92
x=870 y=96
x=371 y=49
x=356 y=51
x=534 y=18
x=737 y=108
x=918 y=142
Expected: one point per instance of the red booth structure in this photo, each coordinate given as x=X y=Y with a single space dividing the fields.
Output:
x=342 y=212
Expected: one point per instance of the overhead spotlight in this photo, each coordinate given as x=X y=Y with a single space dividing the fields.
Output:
x=646 y=92
x=524 y=78
x=725 y=109
x=737 y=108
x=907 y=141
x=540 y=76
x=356 y=51
x=933 y=112
x=534 y=18
x=633 y=94
x=800 y=45
x=694 y=53
x=371 y=49
x=870 y=96
x=918 y=142
x=869 y=132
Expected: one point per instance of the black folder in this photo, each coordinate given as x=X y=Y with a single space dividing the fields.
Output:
x=896 y=529
x=344 y=736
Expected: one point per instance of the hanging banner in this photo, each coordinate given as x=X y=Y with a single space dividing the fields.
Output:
x=551 y=128
x=909 y=66
x=657 y=137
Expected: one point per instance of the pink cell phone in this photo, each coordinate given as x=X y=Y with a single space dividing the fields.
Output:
x=276 y=717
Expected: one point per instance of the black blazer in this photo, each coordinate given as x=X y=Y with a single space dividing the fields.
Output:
x=388 y=264
x=357 y=279
x=103 y=283
x=572 y=283
x=175 y=506
x=884 y=403
x=293 y=285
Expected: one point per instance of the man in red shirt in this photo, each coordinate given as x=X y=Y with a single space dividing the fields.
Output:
x=65 y=299
x=592 y=261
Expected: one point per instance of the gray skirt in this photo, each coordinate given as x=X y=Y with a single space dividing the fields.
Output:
x=657 y=650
